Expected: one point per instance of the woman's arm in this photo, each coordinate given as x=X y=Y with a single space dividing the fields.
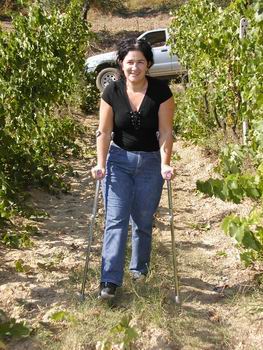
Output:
x=166 y=113
x=103 y=139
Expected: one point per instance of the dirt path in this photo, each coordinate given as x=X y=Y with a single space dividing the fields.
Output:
x=218 y=292
x=220 y=305
x=52 y=264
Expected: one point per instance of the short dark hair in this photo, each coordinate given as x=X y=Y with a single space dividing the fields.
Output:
x=127 y=45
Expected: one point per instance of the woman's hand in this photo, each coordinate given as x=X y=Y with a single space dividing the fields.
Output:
x=167 y=172
x=97 y=172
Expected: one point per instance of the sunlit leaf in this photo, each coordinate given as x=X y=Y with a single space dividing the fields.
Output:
x=62 y=315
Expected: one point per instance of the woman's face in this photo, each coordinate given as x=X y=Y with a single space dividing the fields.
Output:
x=134 y=66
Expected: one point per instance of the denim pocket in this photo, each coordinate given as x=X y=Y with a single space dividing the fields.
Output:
x=115 y=149
x=116 y=154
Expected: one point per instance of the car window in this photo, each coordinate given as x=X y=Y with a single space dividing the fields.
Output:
x=155 y=38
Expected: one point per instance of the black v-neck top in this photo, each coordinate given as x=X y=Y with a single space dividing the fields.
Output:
x=140 y=136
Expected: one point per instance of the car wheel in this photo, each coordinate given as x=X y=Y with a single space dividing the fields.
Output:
x=105 y=76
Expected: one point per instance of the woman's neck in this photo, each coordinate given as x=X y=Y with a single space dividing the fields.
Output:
x=137 y=86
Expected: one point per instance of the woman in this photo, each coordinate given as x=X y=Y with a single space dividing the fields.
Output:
x=138 y=111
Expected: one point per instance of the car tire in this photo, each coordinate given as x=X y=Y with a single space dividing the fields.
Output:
x=105 y=76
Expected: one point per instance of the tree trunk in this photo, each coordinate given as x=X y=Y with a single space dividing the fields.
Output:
x=86 y=8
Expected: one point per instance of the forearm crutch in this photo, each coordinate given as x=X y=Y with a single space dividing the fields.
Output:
x=90 y=235
x=175 y=271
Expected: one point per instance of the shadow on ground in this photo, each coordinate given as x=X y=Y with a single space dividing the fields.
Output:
x=145 y=11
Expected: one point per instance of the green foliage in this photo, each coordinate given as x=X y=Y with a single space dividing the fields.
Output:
x=191 y=119
x=41 y=67
x=233 y=187
x=90 y=94
x=225 y=71
x=19 y=238
x=9 y=7
x=234 y=184
x=16 y=239
x=20 y=266
x=51 y=4
x=231 y=159
x=123 y=334
x=62 y=315
x=225 y=88
x=256 y=140
x=10 y=328
x=248 y=232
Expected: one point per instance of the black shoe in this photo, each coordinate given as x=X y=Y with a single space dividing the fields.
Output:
x=107 y=290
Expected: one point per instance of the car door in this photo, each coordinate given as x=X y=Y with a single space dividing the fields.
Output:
x=161 y=51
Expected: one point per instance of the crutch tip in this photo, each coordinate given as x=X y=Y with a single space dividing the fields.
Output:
x=177 y=299
x=80 y=296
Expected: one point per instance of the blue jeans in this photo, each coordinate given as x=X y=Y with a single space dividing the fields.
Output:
x=132 y=189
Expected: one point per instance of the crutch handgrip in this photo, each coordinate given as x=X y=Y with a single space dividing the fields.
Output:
x=168 y=175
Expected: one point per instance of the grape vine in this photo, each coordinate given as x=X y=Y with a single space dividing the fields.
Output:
x=225 y=89
x=41 y=67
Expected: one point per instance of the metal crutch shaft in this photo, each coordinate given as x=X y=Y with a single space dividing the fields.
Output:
x=90 y=235
x=175 y=271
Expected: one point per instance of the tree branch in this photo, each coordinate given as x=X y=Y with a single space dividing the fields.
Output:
x=86 y=8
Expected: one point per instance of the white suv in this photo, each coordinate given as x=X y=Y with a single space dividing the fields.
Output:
x=165 y=65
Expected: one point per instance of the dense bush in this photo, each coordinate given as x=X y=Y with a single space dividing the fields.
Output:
x=225 y=71
x=41 y=67
x=225 y=90
x=90 y=94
